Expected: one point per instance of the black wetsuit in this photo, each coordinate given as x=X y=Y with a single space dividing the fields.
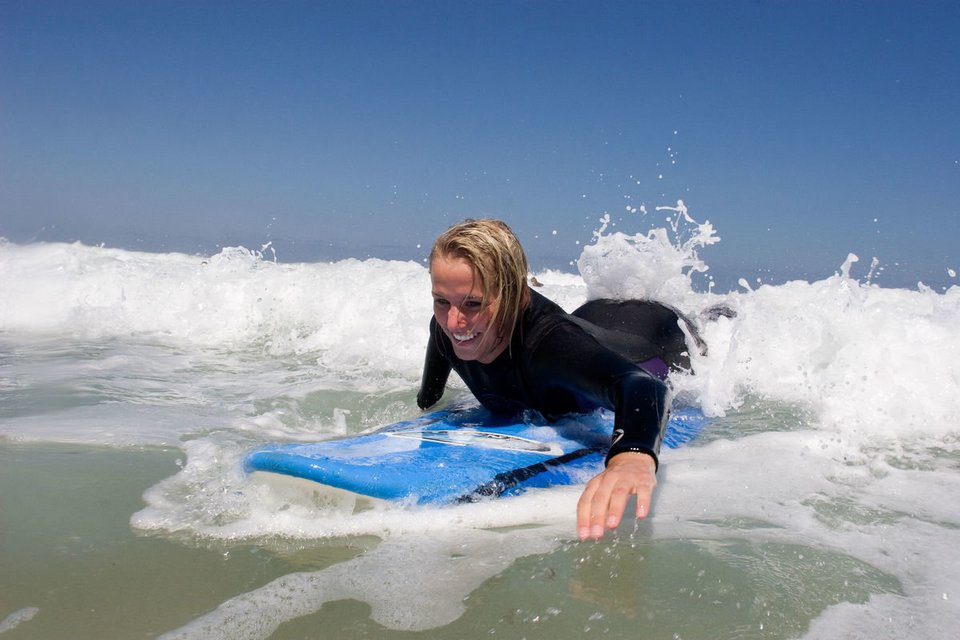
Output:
x=606 y=354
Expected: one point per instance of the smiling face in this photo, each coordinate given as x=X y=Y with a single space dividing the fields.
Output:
x=463 y=312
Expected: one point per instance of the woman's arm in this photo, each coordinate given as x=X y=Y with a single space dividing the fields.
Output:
x=570 y=360
x=436 y=370
x=642 y=409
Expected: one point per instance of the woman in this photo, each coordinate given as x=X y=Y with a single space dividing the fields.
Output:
x=516 y=350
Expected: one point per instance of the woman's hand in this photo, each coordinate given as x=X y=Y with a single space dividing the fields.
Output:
x=604 y=500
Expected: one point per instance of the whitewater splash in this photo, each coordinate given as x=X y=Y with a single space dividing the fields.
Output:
x=837 y=405
x=658 y=265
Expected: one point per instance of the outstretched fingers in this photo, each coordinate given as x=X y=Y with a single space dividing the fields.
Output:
x=605 y=498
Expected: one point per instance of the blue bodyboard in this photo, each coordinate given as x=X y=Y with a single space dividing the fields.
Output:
x=458 y=455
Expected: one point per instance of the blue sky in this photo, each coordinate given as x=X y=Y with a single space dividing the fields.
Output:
x=801 y=130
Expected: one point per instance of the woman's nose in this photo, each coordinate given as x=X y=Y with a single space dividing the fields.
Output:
x=455 y=318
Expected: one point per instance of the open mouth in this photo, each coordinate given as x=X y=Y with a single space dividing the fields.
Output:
x=463 y=338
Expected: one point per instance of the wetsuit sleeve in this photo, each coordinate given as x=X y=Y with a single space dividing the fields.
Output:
x=641 y=416
x=567 y=360
x=436 y=370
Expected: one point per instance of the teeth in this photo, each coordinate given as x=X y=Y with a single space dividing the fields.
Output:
x=463 y=337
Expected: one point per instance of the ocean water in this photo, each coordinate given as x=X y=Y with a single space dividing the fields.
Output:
x=822 y=502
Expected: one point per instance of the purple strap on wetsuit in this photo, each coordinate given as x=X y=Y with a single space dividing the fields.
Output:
x=657 y=367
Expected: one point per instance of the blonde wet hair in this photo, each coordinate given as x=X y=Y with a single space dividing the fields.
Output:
x=490 y=247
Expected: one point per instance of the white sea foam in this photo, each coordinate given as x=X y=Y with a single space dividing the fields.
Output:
x=17 y=618
x=837 y=406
